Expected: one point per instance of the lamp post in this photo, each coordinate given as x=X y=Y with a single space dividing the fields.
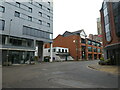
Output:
x=8 y=42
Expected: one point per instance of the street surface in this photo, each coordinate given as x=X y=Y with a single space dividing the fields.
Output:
x=58 y=75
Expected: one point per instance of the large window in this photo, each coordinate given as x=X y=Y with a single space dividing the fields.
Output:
x=2 y=9
x=2 y=24
x=95 y=49
x=17 y=14
x=36 y=32
x=30 y=9
x=89 y=42
x=106 y=20
x=89 y=49
x=99 y=50
x=17 y=4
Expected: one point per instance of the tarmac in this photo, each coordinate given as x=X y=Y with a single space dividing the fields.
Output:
x=106 y=68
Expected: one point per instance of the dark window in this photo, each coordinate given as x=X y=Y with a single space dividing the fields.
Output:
x=29 y=18
x=66 y=51
x=48 y=50
x=48 y=9
x=83 y=40
x=49 y=3
x=40 y=13
x=40 y=6
x=48 y=17
x=40 y=22
x=17 y=4
x=89 y=42
x=48 y=24
x=63 y=50
x=95 y=49
x=54 y=50
x=2 y=9
x=30 y=9
x=17 y=14
x=89 y=49
x=2 y=24
x=59 y=50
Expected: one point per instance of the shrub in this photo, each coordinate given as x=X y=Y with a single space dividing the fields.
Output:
x=102 y=59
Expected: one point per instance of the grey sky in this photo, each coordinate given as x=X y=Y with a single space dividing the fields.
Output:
x=72 y=15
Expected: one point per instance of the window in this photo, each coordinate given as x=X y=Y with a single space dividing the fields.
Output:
x=40 y=6
x=30 y=9
x=40 y=13
x=83 y=40
x=89 y=49
x=95 y=49
x=99 y=50
x=48 y=17
x=49 y=3
x=59 y=50
x=48 y=50
x=89 y=42
x=66 y=50
x=17 y=4
x=17 y=14
x=54 y=50
x=29 y=18
x=40 y=22
x=48 y=9
x=2 y=9
x=63 y=50
x=48 y=24
x=2 y=24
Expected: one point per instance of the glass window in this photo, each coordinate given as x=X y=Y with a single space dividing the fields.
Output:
x=17 y=4
x=63 y=50
x=40 y=22
x=2 y=24
x=40 y=13
x=29 y=18
x=31 y=1
x=2 y=9
x=17 y=14
x=54 y=50
x=95 y=49
x=105 y=12
x=30 y=9
x=59 y=50
x=89 y=49
x=48 y=9
x=48 y=17
x=90 y=42
x=40 y=6
x=106 y=19
x=99 y=50
x=49 y=3
x=48 y=24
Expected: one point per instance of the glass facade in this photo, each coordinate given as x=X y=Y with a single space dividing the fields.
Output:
x=106 y=20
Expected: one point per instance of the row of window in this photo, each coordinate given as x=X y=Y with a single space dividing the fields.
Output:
x=36 y=32
x=94 y=49
x=18 y=14
x=59 y=50
x=94 y=43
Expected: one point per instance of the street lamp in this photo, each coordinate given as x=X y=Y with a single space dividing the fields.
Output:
x=8 y=42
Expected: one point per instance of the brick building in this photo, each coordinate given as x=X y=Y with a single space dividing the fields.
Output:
x=110 y=19
x=80 y=47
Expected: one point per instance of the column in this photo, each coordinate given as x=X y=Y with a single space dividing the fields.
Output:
x=51 y=54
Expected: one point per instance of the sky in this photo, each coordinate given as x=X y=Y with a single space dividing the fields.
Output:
x=73 y=15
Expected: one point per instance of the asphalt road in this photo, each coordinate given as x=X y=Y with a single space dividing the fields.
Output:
x=57 y=75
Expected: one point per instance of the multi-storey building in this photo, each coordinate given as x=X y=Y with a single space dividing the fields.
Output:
x=110 y=19
x=23 y=27
x=99 y=31
x=80 y=47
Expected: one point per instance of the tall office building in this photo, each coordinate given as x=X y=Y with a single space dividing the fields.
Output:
x=99 y=31
x=110 y=20
x=23 y=27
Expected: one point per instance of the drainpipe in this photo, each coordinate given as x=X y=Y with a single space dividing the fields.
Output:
x=51 y=53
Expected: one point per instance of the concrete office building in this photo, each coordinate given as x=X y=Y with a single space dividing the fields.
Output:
x=23 y=27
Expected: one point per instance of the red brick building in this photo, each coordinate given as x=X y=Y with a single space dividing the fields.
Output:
x=110 y=22
x=80 y=47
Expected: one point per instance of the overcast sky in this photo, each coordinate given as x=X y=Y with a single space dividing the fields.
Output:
x=73 y=15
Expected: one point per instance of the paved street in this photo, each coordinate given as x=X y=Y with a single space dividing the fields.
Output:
x=58 y=75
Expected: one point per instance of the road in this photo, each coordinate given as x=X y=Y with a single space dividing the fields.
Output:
x=57 y=75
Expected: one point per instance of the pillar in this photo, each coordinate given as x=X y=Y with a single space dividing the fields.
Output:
x=51 y=54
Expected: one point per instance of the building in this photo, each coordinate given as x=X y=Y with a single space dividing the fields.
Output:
x=99 y=31
x=24 y=26
x=97 y=38
x=59 y=54
x=80 y=47
x=110 y=19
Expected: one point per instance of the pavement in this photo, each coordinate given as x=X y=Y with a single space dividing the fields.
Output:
x=106 y=68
